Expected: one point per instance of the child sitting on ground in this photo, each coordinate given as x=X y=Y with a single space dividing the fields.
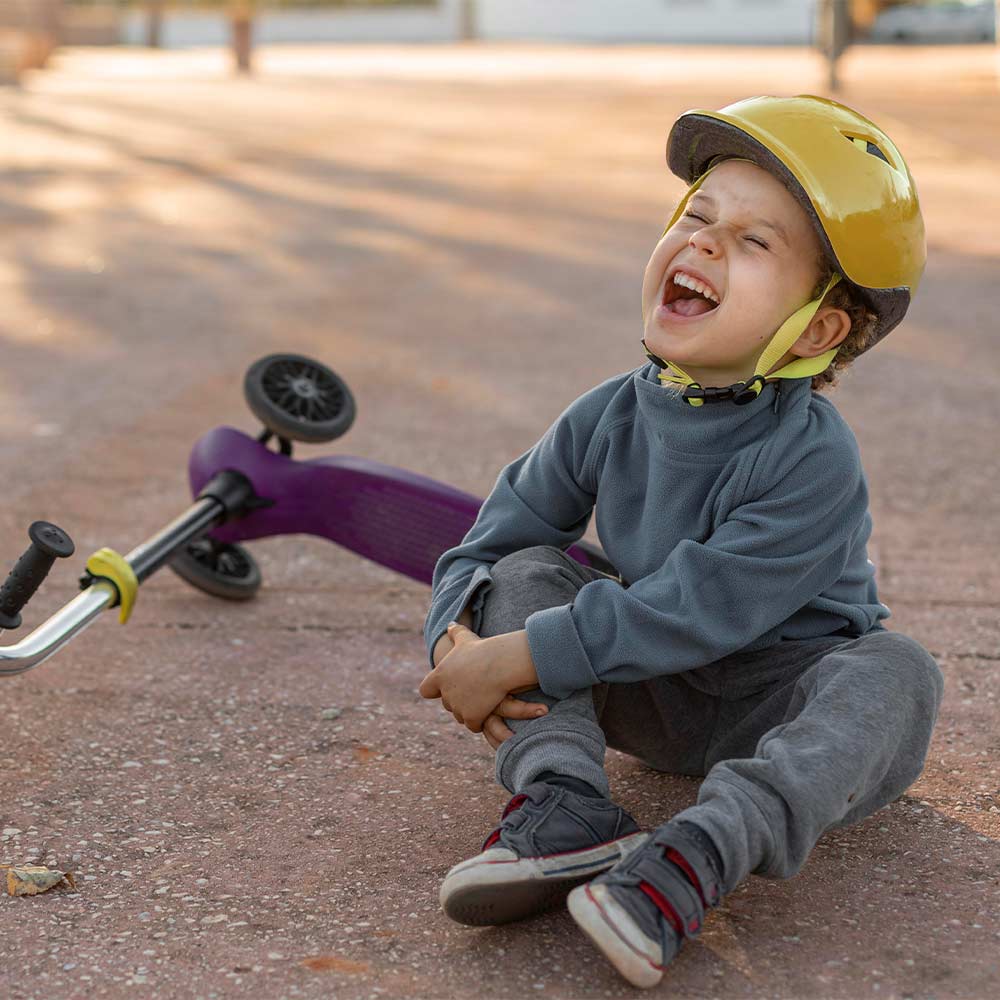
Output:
x=742 y=639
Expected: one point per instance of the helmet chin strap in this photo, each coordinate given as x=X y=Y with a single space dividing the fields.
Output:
x=742 y=393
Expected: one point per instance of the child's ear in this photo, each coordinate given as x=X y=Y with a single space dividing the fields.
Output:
x=826 y=330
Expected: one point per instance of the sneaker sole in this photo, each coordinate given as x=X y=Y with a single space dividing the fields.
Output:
x=611 y=939
x=487 y=893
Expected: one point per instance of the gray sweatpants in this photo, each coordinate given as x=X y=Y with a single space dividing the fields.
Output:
x=793 y=740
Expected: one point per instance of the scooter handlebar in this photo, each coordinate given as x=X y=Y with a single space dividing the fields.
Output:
x=48 y=543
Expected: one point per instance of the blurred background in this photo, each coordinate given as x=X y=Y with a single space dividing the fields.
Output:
x=451 y=203
x=32 y=28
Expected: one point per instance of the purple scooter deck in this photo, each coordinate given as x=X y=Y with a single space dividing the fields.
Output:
x=397 y=518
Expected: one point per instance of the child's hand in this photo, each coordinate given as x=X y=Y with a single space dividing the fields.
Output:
x=495 y=728
x=478 y=674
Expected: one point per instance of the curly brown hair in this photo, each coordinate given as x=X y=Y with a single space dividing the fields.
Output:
x=864 y=324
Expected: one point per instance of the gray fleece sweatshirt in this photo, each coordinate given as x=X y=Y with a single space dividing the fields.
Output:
x=736 y=527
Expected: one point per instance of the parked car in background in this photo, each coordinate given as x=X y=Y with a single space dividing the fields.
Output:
x=941 y=21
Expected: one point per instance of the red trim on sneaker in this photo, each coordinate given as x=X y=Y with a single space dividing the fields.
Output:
x=663 y=905
x=515 y=803
x=673 y=855
x=616 y=930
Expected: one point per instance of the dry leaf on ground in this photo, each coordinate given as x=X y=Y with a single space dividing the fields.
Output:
x=29 y=880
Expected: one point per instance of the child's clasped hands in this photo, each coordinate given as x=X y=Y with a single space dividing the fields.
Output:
x=477 y=676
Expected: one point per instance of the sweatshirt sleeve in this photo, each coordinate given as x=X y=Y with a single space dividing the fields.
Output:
x=769 y=557
x=545 y=497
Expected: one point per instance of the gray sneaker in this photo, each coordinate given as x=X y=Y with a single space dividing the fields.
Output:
x=549 y=840
x=641 y=912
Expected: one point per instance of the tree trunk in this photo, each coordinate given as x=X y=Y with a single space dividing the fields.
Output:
x=467 y=30
x=833 y=35
x=154 y=23
x=241 y=19
x=41 y=21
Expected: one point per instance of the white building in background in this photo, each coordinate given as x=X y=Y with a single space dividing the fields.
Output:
x=724 y=21
x=781 y=22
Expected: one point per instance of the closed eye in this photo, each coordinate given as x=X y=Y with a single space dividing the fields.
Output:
x=750 y=239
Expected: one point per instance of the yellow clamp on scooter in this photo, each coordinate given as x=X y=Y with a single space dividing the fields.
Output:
x=106 y=564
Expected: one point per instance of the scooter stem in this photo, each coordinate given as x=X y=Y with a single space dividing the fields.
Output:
x=101 y=594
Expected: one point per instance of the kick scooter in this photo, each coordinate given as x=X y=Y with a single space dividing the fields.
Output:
x=248 y=487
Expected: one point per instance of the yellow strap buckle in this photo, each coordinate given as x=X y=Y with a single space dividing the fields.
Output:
x=106 y=564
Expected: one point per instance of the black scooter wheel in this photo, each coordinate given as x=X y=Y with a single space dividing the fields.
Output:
x=299 y=399
x=218 y=568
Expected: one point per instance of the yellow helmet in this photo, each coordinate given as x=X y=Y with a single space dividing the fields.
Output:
x=844 y=170
x=856 y=189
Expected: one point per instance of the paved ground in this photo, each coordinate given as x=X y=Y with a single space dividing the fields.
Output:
x=461 y=233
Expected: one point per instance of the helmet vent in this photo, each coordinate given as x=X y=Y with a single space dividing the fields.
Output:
x=868 y=147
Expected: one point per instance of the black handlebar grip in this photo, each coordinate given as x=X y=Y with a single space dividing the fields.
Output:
x=48 y=543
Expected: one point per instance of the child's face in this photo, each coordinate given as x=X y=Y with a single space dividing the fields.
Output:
x=746 y=237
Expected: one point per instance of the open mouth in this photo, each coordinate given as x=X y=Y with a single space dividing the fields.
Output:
x=686 y=295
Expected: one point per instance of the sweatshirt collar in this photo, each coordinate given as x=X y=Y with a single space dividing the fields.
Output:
x=715 y=428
